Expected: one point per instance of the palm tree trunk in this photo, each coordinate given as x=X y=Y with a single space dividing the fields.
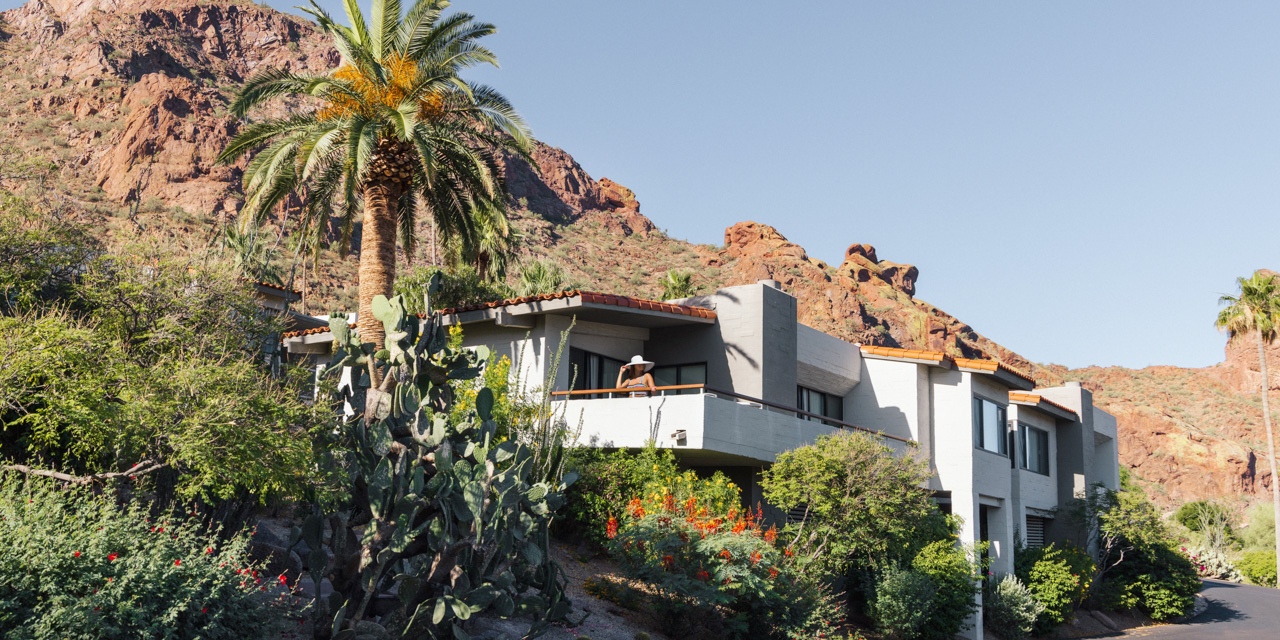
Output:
x=1271 y=444
x=377 y=254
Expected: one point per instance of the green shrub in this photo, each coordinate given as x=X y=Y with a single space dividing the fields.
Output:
x=956 y=579
x=73 y=565
x=607 y=480
x=901 y=603
x=1157 y=580
x=1192 y=514
x=1261 y=532
x=864 y=505
x=698 y=562
x=1260 y=567
x=1009 y=608
x=1059 y=578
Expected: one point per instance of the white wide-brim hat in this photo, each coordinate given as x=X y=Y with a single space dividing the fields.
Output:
x=635 y=360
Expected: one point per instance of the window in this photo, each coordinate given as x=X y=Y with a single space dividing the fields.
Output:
x=592 y=370
x=823 y=404
x=1035 y=449
x=671 y=375
x=988 y=426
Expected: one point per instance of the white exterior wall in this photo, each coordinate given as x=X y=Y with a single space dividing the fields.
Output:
x=1037 y=491
x=891 y=397
x=736 y=431
x=1106 y=457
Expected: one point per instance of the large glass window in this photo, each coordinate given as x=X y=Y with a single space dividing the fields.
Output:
x=823 y=404
x=592 y=370
x=671 y=375
x=1035 y=449
x=988 y=426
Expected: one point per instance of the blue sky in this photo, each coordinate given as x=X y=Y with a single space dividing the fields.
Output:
x=1078 y=181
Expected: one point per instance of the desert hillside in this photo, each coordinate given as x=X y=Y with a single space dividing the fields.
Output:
x=116 y=109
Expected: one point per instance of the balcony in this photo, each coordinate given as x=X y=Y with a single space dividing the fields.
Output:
x=706 y=425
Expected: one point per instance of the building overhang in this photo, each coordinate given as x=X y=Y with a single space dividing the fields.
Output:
x=1044 y=405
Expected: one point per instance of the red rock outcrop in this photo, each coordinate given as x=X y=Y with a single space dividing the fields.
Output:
x=168 y=147
x=131 y=95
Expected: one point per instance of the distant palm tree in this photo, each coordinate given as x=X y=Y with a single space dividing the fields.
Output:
x=678 y=284
x=490 y=252
x=254 y=258
x=1257 y=310
x=397 y=132
x=540 y=277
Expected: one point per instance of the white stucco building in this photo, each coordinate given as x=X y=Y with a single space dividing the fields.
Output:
x=741 y=380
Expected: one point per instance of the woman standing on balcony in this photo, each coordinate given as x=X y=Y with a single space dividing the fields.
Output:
x=634 y=375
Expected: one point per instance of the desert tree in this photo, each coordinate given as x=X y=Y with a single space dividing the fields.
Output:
x=1256 y=311
x=396 y=133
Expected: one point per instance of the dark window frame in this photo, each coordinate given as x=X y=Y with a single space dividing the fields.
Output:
x=680 y=373
x=1043 y=458
x=832 y=405
x=1002 y=417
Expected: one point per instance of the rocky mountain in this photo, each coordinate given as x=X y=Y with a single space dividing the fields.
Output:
x=117 y=108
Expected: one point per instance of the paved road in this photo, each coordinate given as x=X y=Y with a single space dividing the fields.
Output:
x=1236 y=612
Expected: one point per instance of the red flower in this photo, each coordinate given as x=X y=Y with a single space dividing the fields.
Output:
x=773 y=573
x=668 y=562
x=704 y=576
x=204 y=610
x=284 y=580
x=611 y=528
x=755 y=558
x=177 y=563
x=209 y=550
x=112 y=557
x=77 y=554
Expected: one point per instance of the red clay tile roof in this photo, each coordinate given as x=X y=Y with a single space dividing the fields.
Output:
x=310 y=332
x=1014 y=396
x=992 y=365
x=272 y=286
x=914 y=354
x=596 y=298
x=938 y=356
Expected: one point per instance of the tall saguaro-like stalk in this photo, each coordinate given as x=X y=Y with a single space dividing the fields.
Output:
x=395 y=133
x=1257 y=310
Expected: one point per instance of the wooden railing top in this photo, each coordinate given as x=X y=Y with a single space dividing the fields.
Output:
x=731 y=394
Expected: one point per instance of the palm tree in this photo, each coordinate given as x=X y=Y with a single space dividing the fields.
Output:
x=490 y=252
x=540 y=277
x=396 y=132
x=678 y=284
x=1257 y=310
x=254 y=258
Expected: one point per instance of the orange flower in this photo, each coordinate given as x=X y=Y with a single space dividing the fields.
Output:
x=611 y=528
x=755 y=558
x=773 y=573
x=771 y=535
x=724 y=553
x=739 y=526
x=668 y=503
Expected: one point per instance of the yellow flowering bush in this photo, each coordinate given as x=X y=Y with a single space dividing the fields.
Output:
x=715 y=495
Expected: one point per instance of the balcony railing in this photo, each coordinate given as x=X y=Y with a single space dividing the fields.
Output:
x=714 y=392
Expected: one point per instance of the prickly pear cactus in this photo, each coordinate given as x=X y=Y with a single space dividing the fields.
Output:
x=444 y=523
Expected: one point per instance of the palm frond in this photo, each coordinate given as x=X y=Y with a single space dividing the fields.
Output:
x=270 y=83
